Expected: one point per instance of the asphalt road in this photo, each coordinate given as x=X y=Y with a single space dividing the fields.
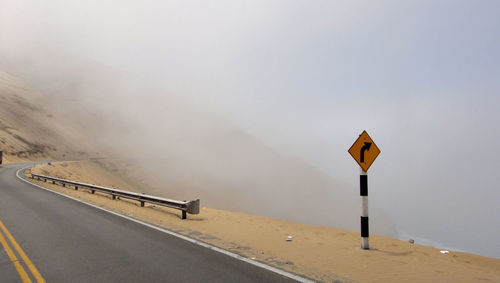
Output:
x=68 y=241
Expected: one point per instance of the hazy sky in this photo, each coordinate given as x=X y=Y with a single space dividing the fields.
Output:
x=306 y=77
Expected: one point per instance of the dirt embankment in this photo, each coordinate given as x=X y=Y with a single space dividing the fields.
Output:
x=320 y=253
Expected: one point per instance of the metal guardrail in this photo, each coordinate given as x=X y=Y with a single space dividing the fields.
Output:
x=191 y=207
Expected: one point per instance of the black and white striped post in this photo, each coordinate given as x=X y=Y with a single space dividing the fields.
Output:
x=363 y=193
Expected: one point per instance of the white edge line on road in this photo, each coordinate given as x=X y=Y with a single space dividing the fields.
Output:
x=228 y=253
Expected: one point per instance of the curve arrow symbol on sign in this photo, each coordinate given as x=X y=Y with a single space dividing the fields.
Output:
x=363 y=149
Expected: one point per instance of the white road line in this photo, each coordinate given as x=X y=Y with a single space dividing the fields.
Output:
x=228 y=253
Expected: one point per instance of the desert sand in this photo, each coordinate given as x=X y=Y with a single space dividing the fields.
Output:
x=320 y=253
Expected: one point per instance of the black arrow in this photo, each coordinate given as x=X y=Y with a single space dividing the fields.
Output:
x=365 y=147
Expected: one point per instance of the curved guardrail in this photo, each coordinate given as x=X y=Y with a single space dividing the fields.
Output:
x=191 y=207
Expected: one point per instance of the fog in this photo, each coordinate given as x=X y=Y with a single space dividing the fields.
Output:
x=253 y=105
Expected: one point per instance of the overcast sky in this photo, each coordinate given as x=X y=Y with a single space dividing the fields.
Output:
x=307 y=77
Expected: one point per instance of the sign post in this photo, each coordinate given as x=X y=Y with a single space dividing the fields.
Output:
x=364 y=151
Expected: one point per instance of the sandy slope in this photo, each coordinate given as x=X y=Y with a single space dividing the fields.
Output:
x=320 y=253
x=31 y=131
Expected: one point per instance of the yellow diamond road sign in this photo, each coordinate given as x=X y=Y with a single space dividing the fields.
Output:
x=364 y=151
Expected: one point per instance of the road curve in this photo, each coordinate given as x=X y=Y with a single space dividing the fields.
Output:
x=69 y=241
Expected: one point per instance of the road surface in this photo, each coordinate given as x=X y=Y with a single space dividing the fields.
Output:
x=68 y=241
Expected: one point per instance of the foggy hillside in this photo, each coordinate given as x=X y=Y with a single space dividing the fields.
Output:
x=29 y=130
x=184 y=151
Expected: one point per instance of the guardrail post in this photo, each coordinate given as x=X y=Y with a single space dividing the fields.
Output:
x=64 y=184
x=184 y=215
x=76 y=188
x=142 y=204
x=113 y=197
x=92 y=191
x=45 y=180
x=53 y=182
